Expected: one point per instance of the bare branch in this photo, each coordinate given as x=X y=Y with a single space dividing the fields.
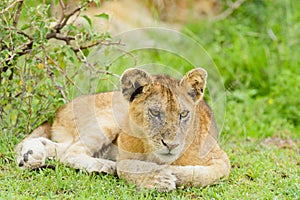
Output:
x=63 y=22
x=63 y=8
x=54 y=34
x=65 y=18
x=19 y=32
x=62 y=4
x=10 y=6
x=64 y=73
x=22 y=49
x=230 y=10
x=101 y=42
x=58 y=36
x=17 y=14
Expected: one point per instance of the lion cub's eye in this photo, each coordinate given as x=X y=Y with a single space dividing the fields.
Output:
x=154 y=113
x=184 y=114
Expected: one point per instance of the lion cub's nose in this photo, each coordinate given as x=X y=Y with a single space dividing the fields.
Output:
x=170 y=146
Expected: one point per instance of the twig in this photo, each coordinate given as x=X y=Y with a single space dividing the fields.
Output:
x=130 y=54
x=20 y=32
x=22 y=93
x=10 y=6
x=17 y=14
x=100 y=42
x=63 y=8
x=22 y=49
x=51 y=75
x=65 y=18
x=63 y=22
x=54 y=35
x=63 y=72
x=109 y=73
x=62 y=4
x=229 y=11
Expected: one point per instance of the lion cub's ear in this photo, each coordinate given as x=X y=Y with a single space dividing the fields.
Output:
x=132 y=82
x=194 y=83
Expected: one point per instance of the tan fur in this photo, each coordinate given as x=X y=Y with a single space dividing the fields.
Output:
x=156 y=133
x=125 y=15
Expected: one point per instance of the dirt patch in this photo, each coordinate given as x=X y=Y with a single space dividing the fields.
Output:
x=281 y=143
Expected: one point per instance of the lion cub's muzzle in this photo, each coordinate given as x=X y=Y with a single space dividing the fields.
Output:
x=169 y=148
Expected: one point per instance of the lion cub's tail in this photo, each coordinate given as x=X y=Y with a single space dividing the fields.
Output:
x=44 y=130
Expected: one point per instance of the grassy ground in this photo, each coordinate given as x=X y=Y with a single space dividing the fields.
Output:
x=257 y=52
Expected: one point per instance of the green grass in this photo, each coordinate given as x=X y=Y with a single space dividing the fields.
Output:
x=257 y=172
x=261 y=76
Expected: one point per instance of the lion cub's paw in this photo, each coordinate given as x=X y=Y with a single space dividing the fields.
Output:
x=31 y=154
x=102 y=166
x=162 y=180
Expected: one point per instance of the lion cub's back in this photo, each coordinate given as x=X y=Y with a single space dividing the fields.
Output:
x=83 y=116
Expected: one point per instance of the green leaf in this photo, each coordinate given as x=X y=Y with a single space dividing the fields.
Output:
x=88 y=20
x=103 y=15
x=25 y=26
x=98 y=2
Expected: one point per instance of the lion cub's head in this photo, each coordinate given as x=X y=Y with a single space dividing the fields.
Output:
x=161 y=109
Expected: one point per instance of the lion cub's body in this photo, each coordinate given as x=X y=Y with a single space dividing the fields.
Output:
x=157 y=133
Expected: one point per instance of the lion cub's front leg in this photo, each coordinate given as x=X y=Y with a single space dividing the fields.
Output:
x=146 y=174
x=202 y=175
x=32 y=152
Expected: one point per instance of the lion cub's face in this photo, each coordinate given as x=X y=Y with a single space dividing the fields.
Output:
x=161 y=109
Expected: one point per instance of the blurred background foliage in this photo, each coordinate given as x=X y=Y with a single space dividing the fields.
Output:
x=256 y=50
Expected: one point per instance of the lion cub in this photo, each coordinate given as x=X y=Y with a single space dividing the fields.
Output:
x=157 y=132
